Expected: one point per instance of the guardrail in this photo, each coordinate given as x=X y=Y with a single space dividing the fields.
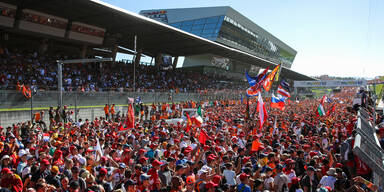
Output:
x=367 y=147
x=14 y=100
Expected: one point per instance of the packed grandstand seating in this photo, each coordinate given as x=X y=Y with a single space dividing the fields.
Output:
x=40 y=71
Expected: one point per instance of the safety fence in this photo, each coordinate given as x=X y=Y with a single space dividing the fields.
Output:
x=367 y=147
x=14 y=100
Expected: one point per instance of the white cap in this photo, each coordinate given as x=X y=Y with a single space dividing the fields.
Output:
x=22 y=152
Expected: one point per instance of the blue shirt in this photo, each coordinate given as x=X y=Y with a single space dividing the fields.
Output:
x=243 y=188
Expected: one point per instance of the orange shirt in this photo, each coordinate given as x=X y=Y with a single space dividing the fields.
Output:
x=106 y=109
x=112 y=109
x=37 y=117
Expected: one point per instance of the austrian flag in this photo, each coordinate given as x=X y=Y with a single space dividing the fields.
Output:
x=262 y=111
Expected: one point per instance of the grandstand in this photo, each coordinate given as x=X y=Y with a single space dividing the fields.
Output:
x=226 y=26
x=87 y=29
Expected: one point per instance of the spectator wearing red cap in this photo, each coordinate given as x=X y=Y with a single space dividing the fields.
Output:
x=243 y=186
x=153 y=172
x=43 y=171
x=10 y=180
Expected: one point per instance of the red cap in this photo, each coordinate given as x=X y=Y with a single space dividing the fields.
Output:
x=243 y=176
x=103 y=158
x=339 y=165
x=141 y=151
x=156 y=163
x=103 y=171
x=187 y=150
x=313 y=153
x=45 y=162
x=245 y=159
x=143 y=159
x=6 y=170
x=216 y=179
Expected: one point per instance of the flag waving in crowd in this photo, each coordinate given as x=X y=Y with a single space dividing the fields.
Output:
x=269 y=80
x=262 y=111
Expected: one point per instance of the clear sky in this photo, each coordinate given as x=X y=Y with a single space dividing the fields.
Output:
x=333 y=37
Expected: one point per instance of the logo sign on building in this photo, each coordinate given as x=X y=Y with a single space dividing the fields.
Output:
x=335 y=83
x=160 y=15
x=221 y=62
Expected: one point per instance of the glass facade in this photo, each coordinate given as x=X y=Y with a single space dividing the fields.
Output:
x=205 y=27
x=234 y=33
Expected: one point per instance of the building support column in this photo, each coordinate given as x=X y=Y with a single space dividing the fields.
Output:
x=114 y=52
x=174 y=64
x=83 y=52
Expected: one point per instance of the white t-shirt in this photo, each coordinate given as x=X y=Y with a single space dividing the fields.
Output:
x=267 y=183
x=230 y=177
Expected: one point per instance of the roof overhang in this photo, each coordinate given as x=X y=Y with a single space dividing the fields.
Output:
x=153 y=37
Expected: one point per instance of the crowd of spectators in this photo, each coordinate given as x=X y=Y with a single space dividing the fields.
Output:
x=296 y=150
x=40 y=71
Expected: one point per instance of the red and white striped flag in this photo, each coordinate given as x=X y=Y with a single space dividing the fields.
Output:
x=262 y=111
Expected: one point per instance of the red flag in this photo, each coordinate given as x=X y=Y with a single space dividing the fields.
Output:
x=189 y=123
x=203 y=137
x=331 y=109
x=255 y=145
x=130 y=121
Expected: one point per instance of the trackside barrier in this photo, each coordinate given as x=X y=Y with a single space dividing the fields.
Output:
x=367 y=148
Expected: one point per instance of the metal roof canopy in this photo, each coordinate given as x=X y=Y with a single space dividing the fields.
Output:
x=153 y=37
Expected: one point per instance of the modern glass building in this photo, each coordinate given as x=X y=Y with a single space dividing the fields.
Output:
x=226 y=26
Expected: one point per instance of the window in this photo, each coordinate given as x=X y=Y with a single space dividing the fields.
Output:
x=197 y=27
x=199 y=21
x=186 y=23
x=210 y=26
x=177 y=25
x=187 y=28
x=207 y=31
x=212 y=20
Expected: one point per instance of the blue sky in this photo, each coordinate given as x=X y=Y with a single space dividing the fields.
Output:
x=338 y=38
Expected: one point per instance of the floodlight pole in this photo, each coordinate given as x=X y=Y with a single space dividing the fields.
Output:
x=60 y=64
x=60 y=82
x=134 y=65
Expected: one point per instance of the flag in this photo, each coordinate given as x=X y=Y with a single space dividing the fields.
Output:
x=26 y=92
x=278 y=74
x=98 y=150
x=203 y=137
x=262 y=75
x=284 y=84
x=283 y=92
x=275 y=129
x=199 y=111
x=255 y=145
x=322 y=101
x=130 y=100
x=130 y=121
x=262 y=111
x=331 y=109
x=320 y=110
x=251 y=80
x=252 y=93
x=277 y=102
x=189 y=123
x=268 y=81
x=197 y=120
x=46 y=137
x=138 y=99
